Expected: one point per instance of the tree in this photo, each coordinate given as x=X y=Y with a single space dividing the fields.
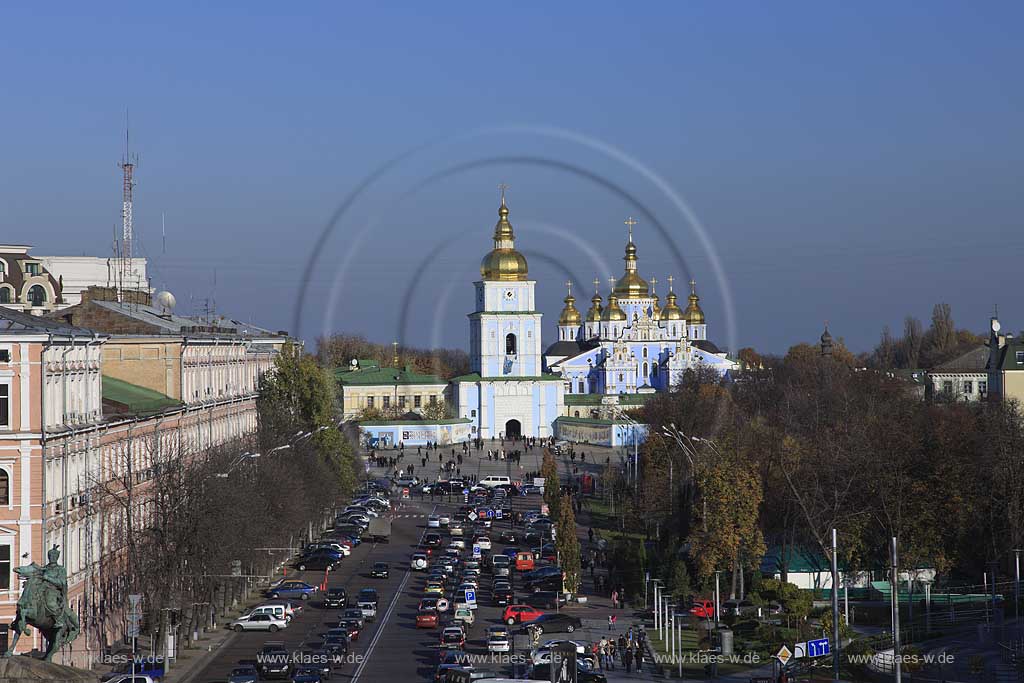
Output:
x=911 y=344
x=552 y=487
x=436 y=411
x=567 y=543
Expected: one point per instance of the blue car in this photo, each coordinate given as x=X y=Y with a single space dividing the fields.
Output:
x=292 y=589
x=354 y=539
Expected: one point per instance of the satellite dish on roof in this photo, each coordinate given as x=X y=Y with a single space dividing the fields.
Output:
x=995 y=325
x=165 y=301
x=353 y=363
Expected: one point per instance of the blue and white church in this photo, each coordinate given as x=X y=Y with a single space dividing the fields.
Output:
x=625 y=350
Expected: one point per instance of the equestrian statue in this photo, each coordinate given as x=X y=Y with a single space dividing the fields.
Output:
x=44 y=604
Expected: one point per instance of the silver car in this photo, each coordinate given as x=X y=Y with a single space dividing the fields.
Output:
x=259 y=622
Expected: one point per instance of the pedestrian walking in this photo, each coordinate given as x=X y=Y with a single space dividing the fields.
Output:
x=611 y=622
x=615 y=600
x=627 y=659
x=639 y=658
x=590 y=534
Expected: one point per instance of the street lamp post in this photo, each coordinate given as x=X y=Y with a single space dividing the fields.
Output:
x=1016 y=587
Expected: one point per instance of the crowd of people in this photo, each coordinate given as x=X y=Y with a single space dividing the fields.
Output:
x=627 y=651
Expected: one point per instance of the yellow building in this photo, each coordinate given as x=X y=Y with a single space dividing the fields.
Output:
x=1005 y=366
x=365 y=384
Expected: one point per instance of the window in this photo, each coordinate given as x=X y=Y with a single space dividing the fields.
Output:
x=433 y=400
x=582 y=390
x=5 y=295
x=620 y=376
x=5 y=355
x=1020 y=357
x=646 y=367
x=982 y=387
x=5 y=488
x=369 y=401
x=33 y=269
x=385 y=401
x=401 y=401
x=417 y=401
x=472 y=413
x=575 y=413
x=36 y=295
x=947 y=387
x=5 y=405
x=968 y=387
x=654 y=369
x=5 y=567
x=510 y=344
x=645 y=352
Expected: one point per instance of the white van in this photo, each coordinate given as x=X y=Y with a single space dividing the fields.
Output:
x=278 y=611
x=495 y=480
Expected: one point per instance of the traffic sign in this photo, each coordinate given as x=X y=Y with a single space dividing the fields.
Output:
x=818 y=648
x=470 y=595
x=465 y=492
x=490 y=514
x=476 y=551
x=497 y=513
x=472 y=516
x=783 y=655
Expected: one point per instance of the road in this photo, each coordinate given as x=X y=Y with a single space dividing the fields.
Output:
x=391 y=648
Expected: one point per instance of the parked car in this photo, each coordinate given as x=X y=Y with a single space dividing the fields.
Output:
x=336 y=598
x=517 y=614
x=379 y=570
x=292 y=589
x=554 y=623
x=244 y=674
x=418 y=563
x=426 y=619
x=545 y=599
x=259 y=622
x=317 y=562
x=465 y=616
x=452 y=638
x=703 y=609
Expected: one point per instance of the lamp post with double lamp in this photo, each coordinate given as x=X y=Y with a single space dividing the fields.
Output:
x=657 y=588
x=245 y=457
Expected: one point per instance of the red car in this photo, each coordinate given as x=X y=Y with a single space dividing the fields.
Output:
x=517 y=614
x=703 y=609
x=426 y=620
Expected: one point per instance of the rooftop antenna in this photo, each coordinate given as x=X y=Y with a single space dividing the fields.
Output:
x=128 y=163
x=163 y=232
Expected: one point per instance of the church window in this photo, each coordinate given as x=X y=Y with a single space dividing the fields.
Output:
x=620 y=376
x=654 y=370
x=645 y=352
x=646 y=369
x=582 y=390
x=510 y=344
x=472 y=413
x=37 y=295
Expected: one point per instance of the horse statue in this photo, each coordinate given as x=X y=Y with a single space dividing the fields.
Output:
x=43 y=604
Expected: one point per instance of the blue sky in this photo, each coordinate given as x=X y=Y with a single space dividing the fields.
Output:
x=853 y=162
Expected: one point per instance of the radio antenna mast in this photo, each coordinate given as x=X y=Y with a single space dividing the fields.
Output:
x=128 y=163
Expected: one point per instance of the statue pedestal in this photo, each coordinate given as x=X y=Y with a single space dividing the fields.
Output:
x=24 y=669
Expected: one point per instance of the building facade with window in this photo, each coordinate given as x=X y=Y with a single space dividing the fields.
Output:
x=1005 y=368
x=962 y=379
x=366 y=385
x=25 y=284
x=68 y=430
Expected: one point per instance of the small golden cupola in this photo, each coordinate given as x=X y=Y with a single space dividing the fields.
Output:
x=570 y=316
x=612 y=312
x=594 y=314
x=503 y=262
x=671 y=310
x=693 y=312
x=631 y=285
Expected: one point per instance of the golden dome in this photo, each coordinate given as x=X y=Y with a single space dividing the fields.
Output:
x=503 y=262
x=631 y=285
x=693 y=312
x=570 y=316
x=613 y=312
x=594 y=314
x=655 y=308
x=672 y=310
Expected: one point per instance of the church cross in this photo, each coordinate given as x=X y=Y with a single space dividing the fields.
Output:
x=568 y=283
x=670 y=281
x=597 y=285
x=630 y=222
x=693 y=286
x=654 y=281
x=502 y=187
x=611 y=282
